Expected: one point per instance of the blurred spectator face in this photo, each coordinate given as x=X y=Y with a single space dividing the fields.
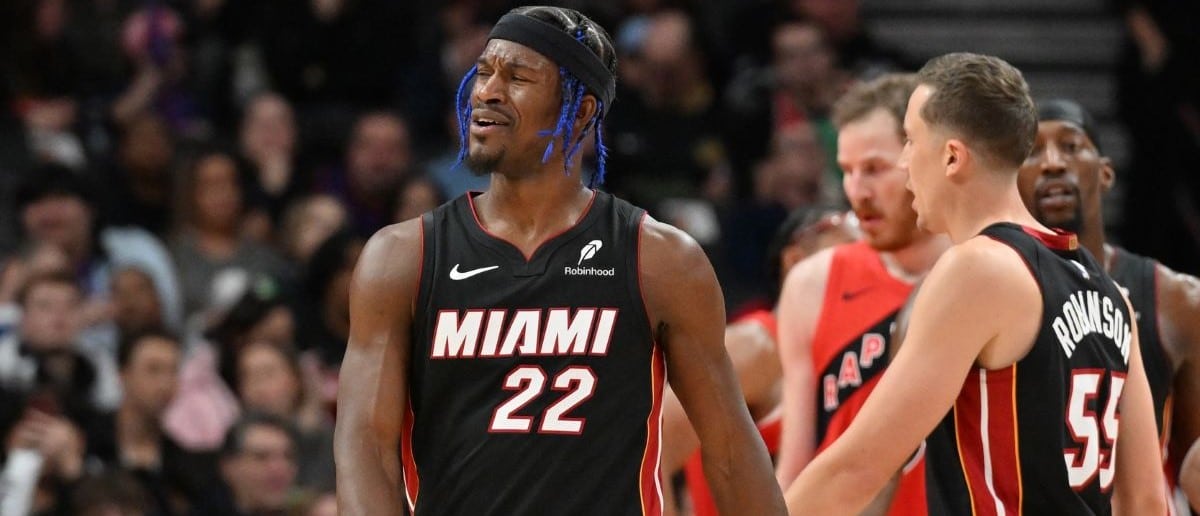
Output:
x=136 y=306
x=868 y=149
x=278 y=327
x=839 y=18
x=262 y=472
x=1064 y=178
x=50 y=19
x=379 y=154
x=461 y=50
x=268 y=128
x=802 y=58
x=151 y=376
x=218 y=196
x=147 y=147
x=50 y=313
x=309 y=222
x=418 y=196
x=791 y=177
x=151 y=36
x=64 y=221
x=267 y=381
x=671 y=64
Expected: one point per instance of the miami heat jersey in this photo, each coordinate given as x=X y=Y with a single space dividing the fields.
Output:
x=1136 y=276
x=1037 y=437
x=535 y=382
x=769 y=429
x=850 y=350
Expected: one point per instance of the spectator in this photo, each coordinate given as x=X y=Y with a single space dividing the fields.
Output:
x=269 y=152
x=258 y=469
x=666 y=139
x=114 y=493
x=133 y=438
x=208 y=244
x=136 y=304
x=270 y=379
x=152 y=42
x=325 y=320
x=307 y=223
x=58 y=208
x=378 y=159
x=417 y=195
x=141 y=175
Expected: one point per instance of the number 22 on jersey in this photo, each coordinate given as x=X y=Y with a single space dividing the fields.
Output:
x=578 y=382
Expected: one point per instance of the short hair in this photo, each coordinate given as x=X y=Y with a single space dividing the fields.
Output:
x=129 y=344
x=889 y=92
x=235 y=437
x=111 y=488
x=983 y=99
x=47 y=278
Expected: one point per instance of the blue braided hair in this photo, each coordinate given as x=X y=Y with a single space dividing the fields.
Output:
x=573 y=91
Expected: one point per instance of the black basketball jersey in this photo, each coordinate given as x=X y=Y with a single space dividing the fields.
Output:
x=1137 y=278
x=1037 y=437
x=535 y=382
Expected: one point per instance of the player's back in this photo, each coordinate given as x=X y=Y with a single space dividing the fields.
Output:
x=535 y=383
x=1136 y=275
x=1038 y=436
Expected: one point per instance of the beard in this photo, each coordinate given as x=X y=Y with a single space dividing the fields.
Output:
x=1073 y=224
x=482 y=162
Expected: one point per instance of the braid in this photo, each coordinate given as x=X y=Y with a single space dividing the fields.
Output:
x=462 y=109
x=601 y=150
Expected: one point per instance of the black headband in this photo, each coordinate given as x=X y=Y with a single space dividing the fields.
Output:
x=561 y=48
x=1069 y=111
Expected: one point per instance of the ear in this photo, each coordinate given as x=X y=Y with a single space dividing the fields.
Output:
x=955 y=155
x=587 y=109
x=1108 y=176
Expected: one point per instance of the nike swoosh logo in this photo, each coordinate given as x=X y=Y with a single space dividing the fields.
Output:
x=851 y=294
x=456 y=275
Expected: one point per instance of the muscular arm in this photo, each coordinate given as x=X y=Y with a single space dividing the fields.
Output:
x=948 y=332
x=1189 y=476
x=1139 y=487
x=687 y=312
x=1179 y=321
x=372 y=385
x=799 y=306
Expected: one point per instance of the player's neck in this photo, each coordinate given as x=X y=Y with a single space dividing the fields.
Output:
x=527 y=210
x=986 y=205
x=1093 y=239
x=910 y=263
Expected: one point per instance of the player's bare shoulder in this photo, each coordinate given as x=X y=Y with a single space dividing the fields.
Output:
x=390 y=262
x=673 y=269
x=1179 y=312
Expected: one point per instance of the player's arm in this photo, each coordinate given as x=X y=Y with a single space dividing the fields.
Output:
x=373 y=383
x=687 y=312
x=1139 y=486
x=949 y=329
x=756 y=366
x=1179 y=317
x=800 y=303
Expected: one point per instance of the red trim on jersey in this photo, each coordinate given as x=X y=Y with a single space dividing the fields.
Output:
x=587 y=209
x=1060 y=240
x=985 y=422
x=412 y=480
x=649 y=486
x=764 y=318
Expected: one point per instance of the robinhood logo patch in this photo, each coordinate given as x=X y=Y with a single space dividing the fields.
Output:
x=587 y=253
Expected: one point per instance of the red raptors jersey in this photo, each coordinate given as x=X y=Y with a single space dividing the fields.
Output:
x=769 y=428
x=849 y=352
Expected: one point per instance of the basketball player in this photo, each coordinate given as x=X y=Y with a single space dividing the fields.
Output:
x=1018 y=343
x=832 y=351
x=508 y=350
x=1063 y=183
x=751 y=344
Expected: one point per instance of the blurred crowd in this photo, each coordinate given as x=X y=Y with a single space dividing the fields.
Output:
x=186 y=186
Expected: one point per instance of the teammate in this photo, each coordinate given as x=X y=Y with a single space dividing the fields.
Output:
x=833 y=351
x=751 y=344
x=1018 y=343
x=511 y=345
x=1063 y=183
